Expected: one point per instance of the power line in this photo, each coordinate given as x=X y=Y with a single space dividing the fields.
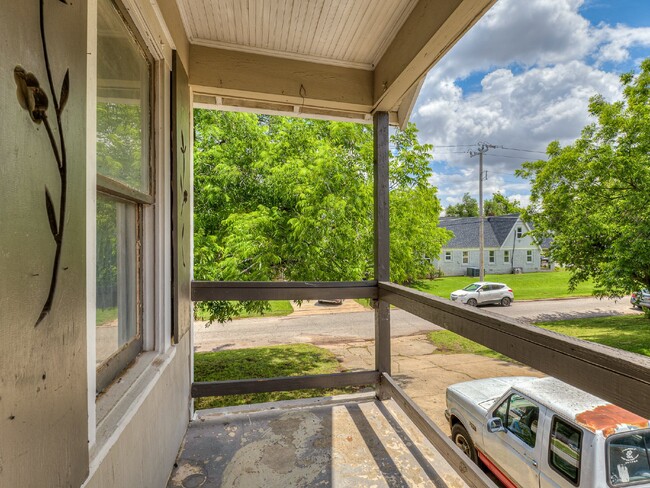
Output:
x=522 y=150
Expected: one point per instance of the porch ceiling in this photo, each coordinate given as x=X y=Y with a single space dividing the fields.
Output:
x=320 y=58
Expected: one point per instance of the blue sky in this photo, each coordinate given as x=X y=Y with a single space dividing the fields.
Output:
x=521 y=78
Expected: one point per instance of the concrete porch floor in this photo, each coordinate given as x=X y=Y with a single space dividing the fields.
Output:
x=342 y=441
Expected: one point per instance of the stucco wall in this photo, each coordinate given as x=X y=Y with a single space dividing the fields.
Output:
x=43 y=402
x=143 y=452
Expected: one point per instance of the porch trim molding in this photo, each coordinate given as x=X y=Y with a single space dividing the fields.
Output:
x=286 y=383
x=282 y=290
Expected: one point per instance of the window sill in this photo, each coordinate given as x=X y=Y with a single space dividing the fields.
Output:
x=121 y=401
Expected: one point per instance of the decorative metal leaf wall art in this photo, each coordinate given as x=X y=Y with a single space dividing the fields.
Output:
x=35 y=101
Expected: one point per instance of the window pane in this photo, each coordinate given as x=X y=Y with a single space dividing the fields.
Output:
x=522 y=419
x=565 y=449
x=123 y=115
x=117 y=276
x=629 y=458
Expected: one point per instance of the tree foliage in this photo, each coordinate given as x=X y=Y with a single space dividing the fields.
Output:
x=283 y=198
x=468 y=207
x=592 y=196
x=499 y=204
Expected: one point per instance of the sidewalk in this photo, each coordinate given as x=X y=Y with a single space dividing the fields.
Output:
x=423 y=374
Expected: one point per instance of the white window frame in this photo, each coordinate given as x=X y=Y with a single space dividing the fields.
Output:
x=492 y=257
x=156 y=227
x=448 y=256
x=506 y=256
x=465 y=257
x=520 y=232
x=529 y=256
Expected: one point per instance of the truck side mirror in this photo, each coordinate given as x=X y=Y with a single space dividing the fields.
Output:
x=495 y=425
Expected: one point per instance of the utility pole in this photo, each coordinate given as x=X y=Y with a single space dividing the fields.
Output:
x=482 y=148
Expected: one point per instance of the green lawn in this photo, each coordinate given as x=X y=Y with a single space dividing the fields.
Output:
x=526 y=286
x=264 y=362
x=627 y=332
x=279 y=308
x=106 y=315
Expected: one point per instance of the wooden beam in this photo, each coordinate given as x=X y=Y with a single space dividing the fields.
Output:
x=620 y=377
x=288 y=383
x=381 y=243
x=260 y=78
x=431 y=29
x=281 y=290
x=466 y=469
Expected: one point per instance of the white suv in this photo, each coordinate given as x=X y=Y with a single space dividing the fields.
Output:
x=483 y=293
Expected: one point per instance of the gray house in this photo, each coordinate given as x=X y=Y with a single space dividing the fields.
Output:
x=507 y=246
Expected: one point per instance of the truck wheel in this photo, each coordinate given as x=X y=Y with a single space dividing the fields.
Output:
x=461 y=438
x=505 y=301
x=471 y=302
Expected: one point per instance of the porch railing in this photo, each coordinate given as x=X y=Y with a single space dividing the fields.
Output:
x=617 y=376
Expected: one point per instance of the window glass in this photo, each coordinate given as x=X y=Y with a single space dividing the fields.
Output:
x=519 y=232
x=629 y=458
x=447 y=255
x=520 y=418
x=491 y=256
x=564 y=449
x=123 y=86
x=465 y=257
x=117 y=276
x=123 y=165
x=529 y=256
x=506 y=256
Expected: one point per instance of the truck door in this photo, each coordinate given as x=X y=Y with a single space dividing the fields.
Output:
x=515 y=451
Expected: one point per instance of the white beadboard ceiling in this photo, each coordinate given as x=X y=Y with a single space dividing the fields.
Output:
x=350 y=33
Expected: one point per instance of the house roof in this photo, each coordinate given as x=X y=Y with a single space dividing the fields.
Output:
x=332 y=59
x=466 y=230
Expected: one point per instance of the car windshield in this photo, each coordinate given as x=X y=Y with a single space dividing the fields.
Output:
x=629 y=458
x=472 y=287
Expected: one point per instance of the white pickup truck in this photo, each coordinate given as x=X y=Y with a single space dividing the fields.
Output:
x=541 y=432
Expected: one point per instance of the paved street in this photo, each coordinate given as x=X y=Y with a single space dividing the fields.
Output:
x=330 y=324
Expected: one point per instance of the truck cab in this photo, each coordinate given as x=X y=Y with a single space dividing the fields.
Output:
x=541 y=432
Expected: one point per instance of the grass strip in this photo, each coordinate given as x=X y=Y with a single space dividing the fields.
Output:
x=265 y=362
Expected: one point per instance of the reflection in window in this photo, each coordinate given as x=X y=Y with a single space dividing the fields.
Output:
x=123 y=119
x=564 y=449
x=117 y=275
x=519 y=415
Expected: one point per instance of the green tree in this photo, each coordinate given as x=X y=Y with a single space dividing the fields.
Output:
x=500 y=205
x=592 y=196
x=468 y=207
x=284 y=198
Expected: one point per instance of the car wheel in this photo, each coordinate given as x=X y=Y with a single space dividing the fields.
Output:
x=472 y=302
x=506 y=301
x=461 y=438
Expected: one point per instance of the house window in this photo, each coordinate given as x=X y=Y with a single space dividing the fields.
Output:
x=506 y=256
x=447 y=255
x=520 y=232
x=491 y=257
x=124 y=88
x=465 y=257
x=529 y=256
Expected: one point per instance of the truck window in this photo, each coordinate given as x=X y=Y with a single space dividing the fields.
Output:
x=564 y=450
x=519 y=415
x=629 y=458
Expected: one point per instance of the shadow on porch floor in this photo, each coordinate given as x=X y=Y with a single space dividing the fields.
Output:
x=343 y=441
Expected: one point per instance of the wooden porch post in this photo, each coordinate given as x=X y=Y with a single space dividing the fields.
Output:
x=381 y=245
